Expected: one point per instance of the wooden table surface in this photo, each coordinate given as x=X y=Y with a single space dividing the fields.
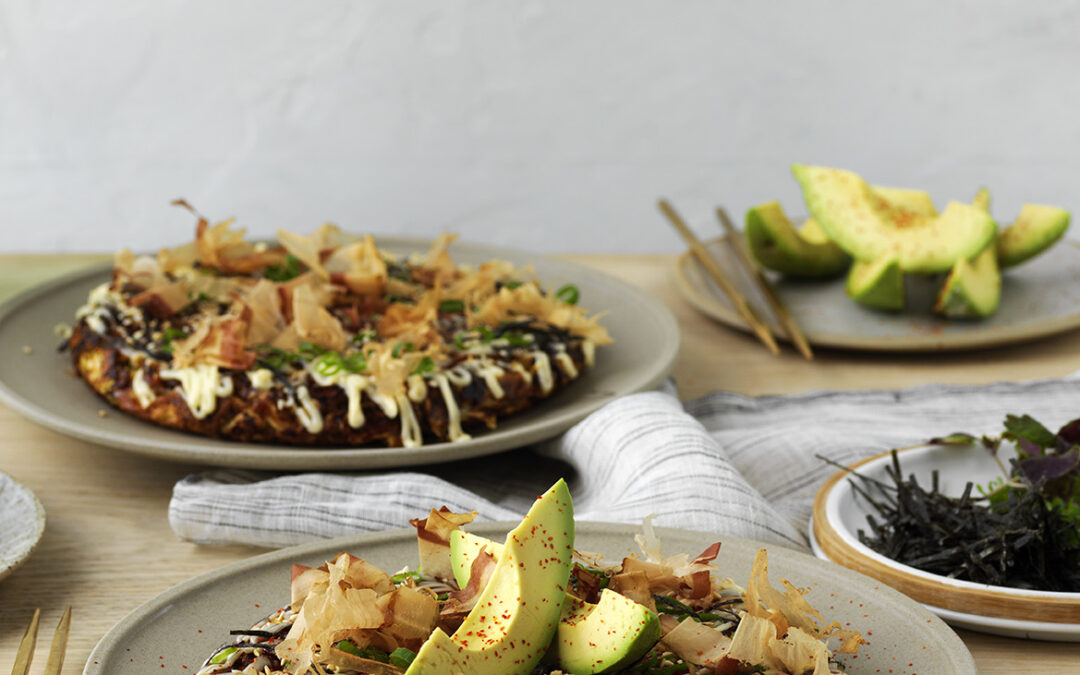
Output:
x=108 y=546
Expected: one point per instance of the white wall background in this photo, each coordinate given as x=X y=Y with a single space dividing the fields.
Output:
x=551 y=126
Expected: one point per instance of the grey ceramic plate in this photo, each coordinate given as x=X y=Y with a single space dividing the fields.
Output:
x=1038 y=299
x=22 y=523
x=182 y=626
x=40 y=386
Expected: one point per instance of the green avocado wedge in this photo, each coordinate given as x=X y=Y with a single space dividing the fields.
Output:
x=878 y=284
x=869 y=227
x=973 y=289
x=605 y=637
x=591 y=638
x=515 y=617
x=1036 y=229
x=801 y=254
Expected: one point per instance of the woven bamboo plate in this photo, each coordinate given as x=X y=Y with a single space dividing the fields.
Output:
x=839 y=514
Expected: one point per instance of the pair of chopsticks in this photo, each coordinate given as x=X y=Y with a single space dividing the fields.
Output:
x=56 y=653
x=759 y=327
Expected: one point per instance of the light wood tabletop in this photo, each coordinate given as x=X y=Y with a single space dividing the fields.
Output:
x=108 y=546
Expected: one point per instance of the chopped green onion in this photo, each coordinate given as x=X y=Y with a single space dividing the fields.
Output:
x=172 y=333
x=400 y=577
x=349 y=647
x=290 y=269
x=485 y=333
x=329 y=363
x=568 y=294
x=402 y=658
x=452 y=306
x=512 y=284
x=309 y=351
x=459 y=340
x=364 y=336
x=518 y=339
x=355 y=363
x=401 y=347
x=425 y=366
x=223 y=655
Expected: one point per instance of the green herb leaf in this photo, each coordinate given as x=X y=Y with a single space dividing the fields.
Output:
x=958 y=438
x=568 y=294
x=425 y=366
x=1025 y=427
x=452 y=306
x=289 y=269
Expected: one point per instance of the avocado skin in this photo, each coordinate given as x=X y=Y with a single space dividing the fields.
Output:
x=1036 y=229
x=879 y=284
x=777 y=245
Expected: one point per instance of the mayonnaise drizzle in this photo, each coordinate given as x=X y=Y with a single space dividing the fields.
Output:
x=308 y=413
x=453 y=413
x=542 y=367
x=143 y=393
x=490 y=374
x=566 y=364
x=411 y=436
x=200 y=386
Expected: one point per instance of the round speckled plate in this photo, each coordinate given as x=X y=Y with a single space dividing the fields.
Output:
x=1038 y=299
x=22 y=523
x=180 y=628
x=40 y=386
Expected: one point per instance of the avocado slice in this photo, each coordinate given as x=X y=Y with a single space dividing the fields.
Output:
x=1036 y=229
x=973 y=289
x=907 y=199
x=464 y=547
x=870 y=228
x=803 y=254
x=878 y=284
x=591 y=638
x=605 y=637
x=516 y=614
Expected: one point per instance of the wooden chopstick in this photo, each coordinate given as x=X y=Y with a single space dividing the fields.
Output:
x=59 y=644
x=26 y=648
x=736 y=242
x=717 y=273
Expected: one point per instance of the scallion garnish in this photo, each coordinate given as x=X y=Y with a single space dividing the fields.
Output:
x=289 y=269
x=568 y=294
x=402 y=657
x=426 y=365
x=452 y=306
x=401 y=348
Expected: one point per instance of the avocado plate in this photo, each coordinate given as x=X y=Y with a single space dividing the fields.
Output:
x=601 y=629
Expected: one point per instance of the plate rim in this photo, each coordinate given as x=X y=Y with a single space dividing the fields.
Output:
x=190 y=448
x=40 y=521
x=916 y=343
x=929 y=589
x=956 y=651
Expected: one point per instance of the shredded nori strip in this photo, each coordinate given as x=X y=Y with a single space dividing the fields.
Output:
x=1019 y=543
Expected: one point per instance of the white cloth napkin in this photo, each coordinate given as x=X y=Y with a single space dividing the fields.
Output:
x=725 y=463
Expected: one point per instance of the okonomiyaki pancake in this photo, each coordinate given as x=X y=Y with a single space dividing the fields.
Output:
x=326 y=340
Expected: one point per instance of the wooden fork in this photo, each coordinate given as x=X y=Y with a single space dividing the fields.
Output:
x=56 y=653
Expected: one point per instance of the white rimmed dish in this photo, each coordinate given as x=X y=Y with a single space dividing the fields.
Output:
x=839 y=514
x=39 y=384
x=22 y=524
x=181 y=627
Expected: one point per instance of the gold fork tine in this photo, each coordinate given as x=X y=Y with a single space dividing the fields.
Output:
x=26 y=648
x=59 y=644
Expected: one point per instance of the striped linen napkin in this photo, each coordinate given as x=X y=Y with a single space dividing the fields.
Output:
x=725 y=463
